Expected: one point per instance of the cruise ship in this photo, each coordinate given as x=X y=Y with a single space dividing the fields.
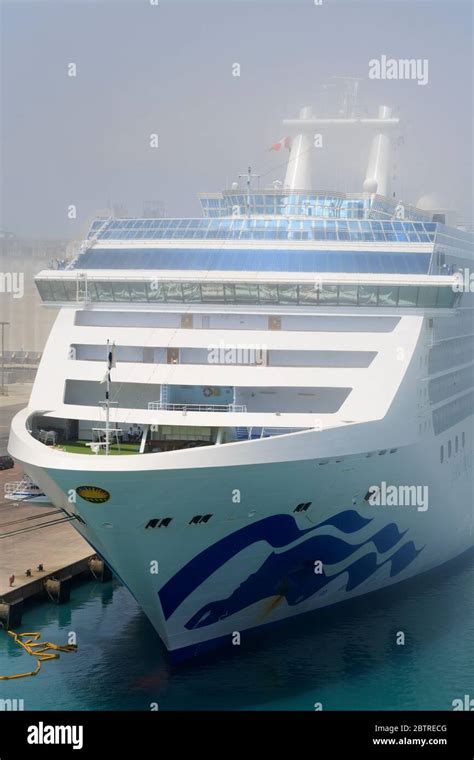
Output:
x=265 y=410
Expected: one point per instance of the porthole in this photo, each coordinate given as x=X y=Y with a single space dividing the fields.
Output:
x=158 y=522
x=199 y=519
x=302 y=507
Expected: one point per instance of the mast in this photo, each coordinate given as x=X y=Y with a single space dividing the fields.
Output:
x=107 y=401
x=106 y=379
x=248 y=179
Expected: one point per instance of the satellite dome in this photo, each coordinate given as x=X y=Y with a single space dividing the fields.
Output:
x=370 y=186
x=430 y=202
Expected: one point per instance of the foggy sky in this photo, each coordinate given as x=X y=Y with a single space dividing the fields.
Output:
x=168 y=70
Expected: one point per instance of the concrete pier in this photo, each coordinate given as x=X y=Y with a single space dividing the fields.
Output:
x=43 y=560
x=59 y=549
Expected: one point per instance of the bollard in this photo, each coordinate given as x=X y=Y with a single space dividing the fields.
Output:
x=58 y=591
x=99 y=569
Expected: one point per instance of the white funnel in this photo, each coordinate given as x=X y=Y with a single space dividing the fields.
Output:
x=376 y=177
x=298 y=172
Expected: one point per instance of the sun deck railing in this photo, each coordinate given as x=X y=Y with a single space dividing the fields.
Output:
x=159 y=405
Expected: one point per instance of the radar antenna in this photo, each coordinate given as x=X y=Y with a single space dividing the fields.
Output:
x=349 y=108
x=248 y=178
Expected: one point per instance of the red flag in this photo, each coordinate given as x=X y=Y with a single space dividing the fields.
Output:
x=285 y=142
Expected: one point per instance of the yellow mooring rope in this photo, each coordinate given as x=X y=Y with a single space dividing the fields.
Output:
x=38 y=649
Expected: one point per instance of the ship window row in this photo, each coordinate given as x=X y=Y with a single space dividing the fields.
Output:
x=219 y=400
x=249 y=293
x=307 y=203
x=450 y=263
x=294 y=229
x=451 y=384
x=255 y=260
x=452 y=413
x=449 y=353
x=449 y=328
x=268 y=199
x=459 y=444
x=290 y=209
x=388 y=208
x=222 y=353
x=452 y=237
x=237 y=222
x=267 y=234
x=229 y=321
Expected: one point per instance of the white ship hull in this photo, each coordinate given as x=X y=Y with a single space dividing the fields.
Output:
x=253 y=562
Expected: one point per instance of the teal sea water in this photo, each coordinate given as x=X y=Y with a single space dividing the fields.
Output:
x=345 y=657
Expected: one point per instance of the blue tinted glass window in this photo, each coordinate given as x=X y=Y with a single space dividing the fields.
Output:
x=367 y=295
x=387 y=295
x=328 y=294
x=121 y=291
x=445 y=297
x=427 y=296
x=268 y=260
x=138 y=291
x=407 y=296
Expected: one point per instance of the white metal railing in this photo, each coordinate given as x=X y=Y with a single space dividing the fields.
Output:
x=256 y=431
x=185 y=437
x=159 y=405
x=82 y=295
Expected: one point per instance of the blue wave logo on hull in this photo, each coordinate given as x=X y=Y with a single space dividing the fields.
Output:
x=285 y=575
